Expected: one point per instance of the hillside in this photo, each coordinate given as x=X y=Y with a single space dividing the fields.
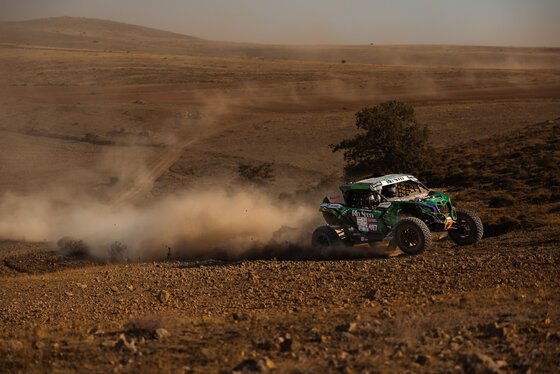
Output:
x=510 y=179
x=93 y=34
x=491 y=307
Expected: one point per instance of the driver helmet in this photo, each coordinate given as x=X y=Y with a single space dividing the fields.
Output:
x=390 y=191
x=373 y=198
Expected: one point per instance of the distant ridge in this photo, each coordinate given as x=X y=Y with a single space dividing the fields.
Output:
x=70 y=25
x=104 y=35
x=88 y=33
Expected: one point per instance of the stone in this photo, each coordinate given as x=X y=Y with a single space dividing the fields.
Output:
x=288 y=343
x=255 y=366
x=476 y=362
x=371 y=295
x=163 y=296
x=439 y=333
x=268 y=363
x=240 y=316
x=497 y=330
x=316 y=336
x=422 y=360
x=161 y=333
x=123 y=344
x=347 y=327
x=250 y=366
x=347 y=336
x=501 y=363
x=384 y=313
x=38 y=344
x=96 y=331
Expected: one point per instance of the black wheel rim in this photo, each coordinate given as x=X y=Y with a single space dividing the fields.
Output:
x=463 y=229
x=323 y=241
x=410 y=237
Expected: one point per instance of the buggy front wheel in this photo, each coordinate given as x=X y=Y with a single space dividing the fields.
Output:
x=468 y=229
x=413 y=236
x=325 y=236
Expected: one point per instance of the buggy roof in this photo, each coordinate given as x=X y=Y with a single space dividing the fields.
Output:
x=378 y=182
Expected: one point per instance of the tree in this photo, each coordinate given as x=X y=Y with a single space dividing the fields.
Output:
x=259 y=174
x=389 y=141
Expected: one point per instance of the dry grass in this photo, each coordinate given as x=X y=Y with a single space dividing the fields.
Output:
x=524 y=164
x=516 y=176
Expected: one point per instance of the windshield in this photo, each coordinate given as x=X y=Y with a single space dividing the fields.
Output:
x=406 y=190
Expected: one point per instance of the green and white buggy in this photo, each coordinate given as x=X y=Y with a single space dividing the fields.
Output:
x=396 y=208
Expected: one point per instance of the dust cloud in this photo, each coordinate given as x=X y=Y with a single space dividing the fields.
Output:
x=197 y=224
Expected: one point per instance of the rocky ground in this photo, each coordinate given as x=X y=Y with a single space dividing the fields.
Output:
x=488 y=308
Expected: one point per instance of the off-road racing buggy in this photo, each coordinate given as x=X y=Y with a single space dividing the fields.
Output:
x=396 y=208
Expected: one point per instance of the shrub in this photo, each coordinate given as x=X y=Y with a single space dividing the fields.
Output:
x=389 y=140
x=259 y=174
x=73 y=247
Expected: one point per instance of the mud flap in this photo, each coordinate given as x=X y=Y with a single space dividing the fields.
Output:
x=392 y=245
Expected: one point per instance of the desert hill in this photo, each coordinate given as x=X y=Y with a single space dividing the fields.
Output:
x=90 y=88
x=94 y=34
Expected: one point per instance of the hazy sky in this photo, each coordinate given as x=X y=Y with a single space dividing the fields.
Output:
x=480 y=22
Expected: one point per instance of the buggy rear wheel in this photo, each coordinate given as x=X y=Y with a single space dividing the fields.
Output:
x=468 y=229
x=325 y=236
x=413 y=236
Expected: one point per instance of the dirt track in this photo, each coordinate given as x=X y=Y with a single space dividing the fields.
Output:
x=422 y=313
x=144 y=182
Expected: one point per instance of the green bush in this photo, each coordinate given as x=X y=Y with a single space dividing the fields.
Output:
x=259 y=174
x=389 y=141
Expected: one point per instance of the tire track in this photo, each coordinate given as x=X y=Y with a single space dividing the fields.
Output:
x=145 y=181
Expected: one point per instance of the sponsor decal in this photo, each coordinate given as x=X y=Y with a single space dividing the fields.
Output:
x=385 y=204
x=335 y=197
x=394 y=180
x=361 y=213
x=334 y=206
x=362 y=223
x=367 y=224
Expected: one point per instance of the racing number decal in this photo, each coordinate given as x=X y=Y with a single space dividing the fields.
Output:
x=372 y=225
